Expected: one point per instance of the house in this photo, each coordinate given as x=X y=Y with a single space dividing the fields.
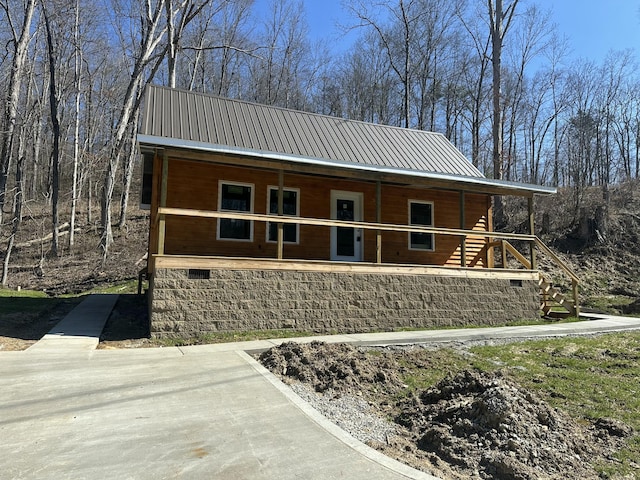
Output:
x=267 y=218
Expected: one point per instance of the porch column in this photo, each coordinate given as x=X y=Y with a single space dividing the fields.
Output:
x=532 y=245
x=379 y=220
x=280 y=213
x=463 y=238
x=163 y=202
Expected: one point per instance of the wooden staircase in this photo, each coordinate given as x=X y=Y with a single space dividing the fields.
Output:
x=554 y=303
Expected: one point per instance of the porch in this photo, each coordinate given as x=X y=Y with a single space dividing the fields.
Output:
x=493 y=284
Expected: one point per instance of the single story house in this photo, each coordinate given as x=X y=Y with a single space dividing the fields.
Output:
x=268 y=218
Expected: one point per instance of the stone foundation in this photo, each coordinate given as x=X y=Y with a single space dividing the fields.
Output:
x=189 y=302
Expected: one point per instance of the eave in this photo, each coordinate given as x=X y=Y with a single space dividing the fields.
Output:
x=294 y=163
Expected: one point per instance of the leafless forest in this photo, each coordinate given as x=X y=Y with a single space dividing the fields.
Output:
x=496 y=77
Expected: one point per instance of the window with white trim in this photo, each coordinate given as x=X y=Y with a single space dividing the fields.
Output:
x=290 y=207
x=421 y=213
x=235 y=197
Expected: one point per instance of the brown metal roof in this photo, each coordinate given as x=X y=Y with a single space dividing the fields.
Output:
x=205 y=119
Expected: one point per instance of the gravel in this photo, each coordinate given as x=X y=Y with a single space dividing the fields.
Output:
x=354 y=415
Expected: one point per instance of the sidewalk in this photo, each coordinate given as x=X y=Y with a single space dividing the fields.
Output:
x=201 y=412
x=80 y=330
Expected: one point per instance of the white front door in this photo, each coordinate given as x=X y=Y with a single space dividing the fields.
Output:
x=346 y=242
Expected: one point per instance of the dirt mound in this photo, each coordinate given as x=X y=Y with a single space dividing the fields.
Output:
x=340 y=368
x=471 y=425
x=487 y=426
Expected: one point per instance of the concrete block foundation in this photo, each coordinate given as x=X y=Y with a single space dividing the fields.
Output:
x=188 y=302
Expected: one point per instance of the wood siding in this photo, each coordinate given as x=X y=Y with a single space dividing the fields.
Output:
x=194 y=185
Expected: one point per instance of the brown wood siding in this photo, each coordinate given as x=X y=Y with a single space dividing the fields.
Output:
x=195 y=185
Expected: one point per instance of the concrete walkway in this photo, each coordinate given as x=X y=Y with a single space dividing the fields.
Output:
x=206 y=412
x=80 y=330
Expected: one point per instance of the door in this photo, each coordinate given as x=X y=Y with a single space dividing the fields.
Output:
x=346 y=242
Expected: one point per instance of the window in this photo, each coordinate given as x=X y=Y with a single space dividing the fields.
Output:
x=421 y=213
x=147 y=181
x=290 y=206
x=235 y=197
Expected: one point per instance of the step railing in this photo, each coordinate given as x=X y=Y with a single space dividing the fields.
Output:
x=507 y=247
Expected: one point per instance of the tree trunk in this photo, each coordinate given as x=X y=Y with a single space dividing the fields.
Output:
x=55 y=152
x=128 y=176
x=76 y=132
x=152 y=36
x=11 y=105
x=17 y=211
x=498 y=30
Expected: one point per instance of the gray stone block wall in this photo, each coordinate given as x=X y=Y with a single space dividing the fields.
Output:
x=240 y=300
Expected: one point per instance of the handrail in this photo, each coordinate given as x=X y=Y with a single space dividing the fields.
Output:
x=521 y=258
x=339 y=223
x=575 y=310
x=557 y=260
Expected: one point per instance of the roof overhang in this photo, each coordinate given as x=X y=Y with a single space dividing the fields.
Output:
x=457 y=182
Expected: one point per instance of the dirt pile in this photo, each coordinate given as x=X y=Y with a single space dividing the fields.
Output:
x=471 y=425
x=339 y=368
x=486 y=426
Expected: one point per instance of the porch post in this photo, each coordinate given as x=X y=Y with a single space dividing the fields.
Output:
x=532 y=245
x=463 y=238
x=163 y=202
x=280 y=212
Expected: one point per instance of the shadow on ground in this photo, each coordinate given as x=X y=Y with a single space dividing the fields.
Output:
x=129 y=319
x=25 y=318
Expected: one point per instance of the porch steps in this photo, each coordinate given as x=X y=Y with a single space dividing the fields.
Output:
x=551 y=298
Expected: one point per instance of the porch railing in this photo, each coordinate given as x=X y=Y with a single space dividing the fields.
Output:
x=492 y=239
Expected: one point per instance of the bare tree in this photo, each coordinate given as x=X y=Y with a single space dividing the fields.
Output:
x=55 y=127
x=476 y=77
x=179 y=14
x=278 y=75
x=147 y=56
x=499 y=22
x=397 y=39
x=20 y=36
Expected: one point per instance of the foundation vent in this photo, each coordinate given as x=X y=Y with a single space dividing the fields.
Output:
x=199 y=274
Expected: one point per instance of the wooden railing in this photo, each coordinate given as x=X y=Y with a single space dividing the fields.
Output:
x=507 y=247
x=493 y=239
x=379 y=227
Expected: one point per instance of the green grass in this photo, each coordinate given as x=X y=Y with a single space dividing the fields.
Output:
x=7 y=293
x=608 y=303
x=128 y=287
x=588 y=378
x=23 y=301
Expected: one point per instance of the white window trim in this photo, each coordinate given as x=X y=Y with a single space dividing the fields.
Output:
x=220 y=209
x=433 y=237
x=297 y=190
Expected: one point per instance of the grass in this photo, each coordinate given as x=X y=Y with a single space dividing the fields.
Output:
x=130 y=286
x=7 y=293
x=588 y=378
x=613 y=304
x=22 y=301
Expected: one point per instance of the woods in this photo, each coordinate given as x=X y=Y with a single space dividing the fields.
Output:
x=494 y=76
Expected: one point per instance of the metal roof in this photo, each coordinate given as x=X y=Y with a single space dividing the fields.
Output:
x=184 y=119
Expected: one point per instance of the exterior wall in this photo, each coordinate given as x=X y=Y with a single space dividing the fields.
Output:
x=194 y=185
x=240 y=300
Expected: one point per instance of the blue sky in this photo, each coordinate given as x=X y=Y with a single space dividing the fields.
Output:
x=593 y=27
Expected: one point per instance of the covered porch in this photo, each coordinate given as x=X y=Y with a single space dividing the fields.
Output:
x=192 y=294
